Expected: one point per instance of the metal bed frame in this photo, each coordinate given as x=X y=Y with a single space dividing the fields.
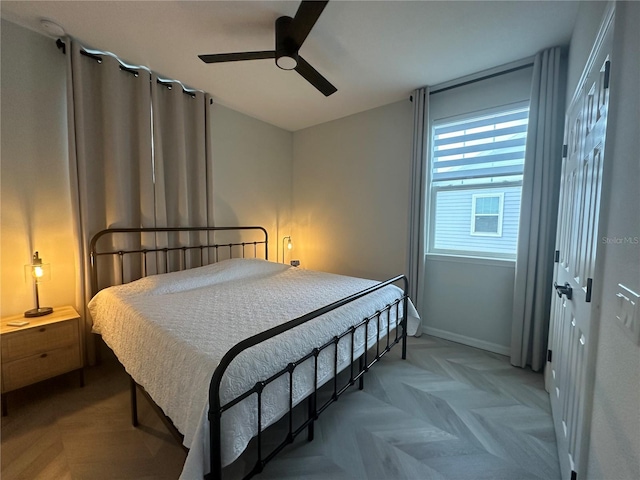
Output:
x=216 y=409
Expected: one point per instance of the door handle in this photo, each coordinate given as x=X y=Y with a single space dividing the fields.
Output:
x=564 y=290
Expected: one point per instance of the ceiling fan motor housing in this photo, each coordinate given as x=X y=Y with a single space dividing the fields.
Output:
x=286 y=48
x=290 y=35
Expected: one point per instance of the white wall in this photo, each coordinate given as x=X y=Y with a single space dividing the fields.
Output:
x=470 y=301
x=252 y=164
x=350 y=193
x=36 y=206
x=584 y=31
x=614 y=451
x=251 y=167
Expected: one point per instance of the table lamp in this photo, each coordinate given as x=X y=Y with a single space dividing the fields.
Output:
x=40 y=272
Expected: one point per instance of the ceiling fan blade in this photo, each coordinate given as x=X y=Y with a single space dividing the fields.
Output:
x=235 y=57
x=306 y=17
x=312 y=76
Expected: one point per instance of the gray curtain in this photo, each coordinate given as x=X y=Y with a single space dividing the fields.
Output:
x=181 y=160
x=539 y=209
x=138 y=158
x=110 y=156
x=417 y=200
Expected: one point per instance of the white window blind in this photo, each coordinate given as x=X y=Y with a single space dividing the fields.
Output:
x=480 y=147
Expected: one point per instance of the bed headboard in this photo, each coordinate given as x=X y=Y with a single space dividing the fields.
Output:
x=121 y=255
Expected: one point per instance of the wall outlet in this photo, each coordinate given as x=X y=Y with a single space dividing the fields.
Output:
x=628 y=311
x=295 y=263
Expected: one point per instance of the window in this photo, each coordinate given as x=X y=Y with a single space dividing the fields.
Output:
x=486 y=216
x=476 y=170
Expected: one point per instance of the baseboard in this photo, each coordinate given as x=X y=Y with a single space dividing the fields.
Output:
x=470 y=341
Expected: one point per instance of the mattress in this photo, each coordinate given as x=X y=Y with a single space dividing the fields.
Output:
x=171 y=330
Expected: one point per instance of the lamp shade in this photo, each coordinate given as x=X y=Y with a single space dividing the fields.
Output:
x=37 y=270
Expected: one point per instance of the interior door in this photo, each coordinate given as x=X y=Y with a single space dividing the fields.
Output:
x=572 y=340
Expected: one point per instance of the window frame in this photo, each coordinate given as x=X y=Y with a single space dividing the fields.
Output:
x=474 y=214
x=432 y=190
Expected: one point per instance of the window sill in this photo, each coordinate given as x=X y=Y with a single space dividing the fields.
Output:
x=497 y=262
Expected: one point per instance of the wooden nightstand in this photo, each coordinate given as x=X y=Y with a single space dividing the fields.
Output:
x=48 y=346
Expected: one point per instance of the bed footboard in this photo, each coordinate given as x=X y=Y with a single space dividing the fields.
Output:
x=385 y=341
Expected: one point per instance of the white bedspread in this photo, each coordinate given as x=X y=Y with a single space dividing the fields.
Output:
x=170 y=331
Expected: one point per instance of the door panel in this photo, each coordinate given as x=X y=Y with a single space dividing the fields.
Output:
x=570 y=337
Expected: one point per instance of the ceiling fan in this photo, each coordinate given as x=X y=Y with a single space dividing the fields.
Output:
x=290 y=35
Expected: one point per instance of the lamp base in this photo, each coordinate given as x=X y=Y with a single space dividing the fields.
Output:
x=38 y=312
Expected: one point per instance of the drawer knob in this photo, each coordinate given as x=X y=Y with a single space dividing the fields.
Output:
x=43 y=355
x=42 y=329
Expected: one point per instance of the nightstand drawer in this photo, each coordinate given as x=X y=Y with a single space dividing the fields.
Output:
x=39 y=339
x=35 y=368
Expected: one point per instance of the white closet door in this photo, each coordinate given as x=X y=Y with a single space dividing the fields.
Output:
x=572 y=340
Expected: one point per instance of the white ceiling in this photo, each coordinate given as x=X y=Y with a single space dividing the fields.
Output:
x=374 y=52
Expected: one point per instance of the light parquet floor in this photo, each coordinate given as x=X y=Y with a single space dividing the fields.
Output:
x=447 y=412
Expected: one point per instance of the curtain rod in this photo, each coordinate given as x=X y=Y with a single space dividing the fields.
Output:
x=133 y=71
x=484 y=77
x=169 y=85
